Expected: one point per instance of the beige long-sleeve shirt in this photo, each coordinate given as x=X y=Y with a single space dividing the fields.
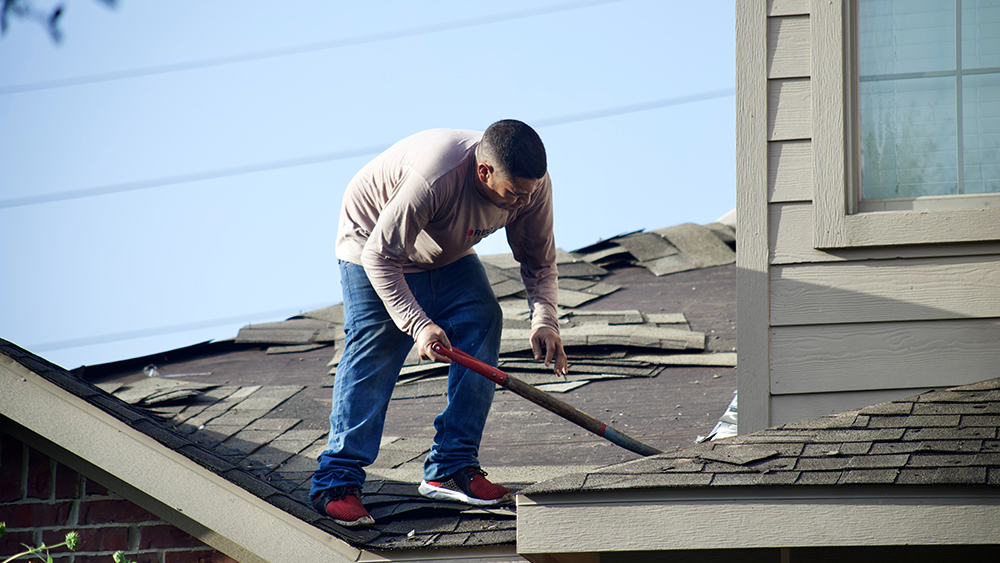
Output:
x=415 y=207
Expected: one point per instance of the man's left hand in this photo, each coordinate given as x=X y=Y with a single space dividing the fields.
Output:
x=545 y=339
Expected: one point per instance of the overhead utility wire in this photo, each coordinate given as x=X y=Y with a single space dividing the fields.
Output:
x=301 y=49
x=338 y=155
x=169 y=329
x=632 y=108
x=192 y=177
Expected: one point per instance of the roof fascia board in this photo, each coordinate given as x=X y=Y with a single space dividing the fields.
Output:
x=489 y=554
x=198 y=501
x=752 y=517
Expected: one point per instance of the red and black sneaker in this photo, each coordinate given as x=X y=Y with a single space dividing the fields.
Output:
x=343 y=504
x=468 y=485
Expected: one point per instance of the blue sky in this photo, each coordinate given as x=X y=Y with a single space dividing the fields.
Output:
x=172 y=171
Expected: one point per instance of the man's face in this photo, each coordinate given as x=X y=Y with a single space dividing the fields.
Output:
x=509 y=194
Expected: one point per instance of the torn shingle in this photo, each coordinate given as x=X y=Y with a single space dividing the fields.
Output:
x=699 y=244
x=647 y=246
x=293 y=349
x=739 y=455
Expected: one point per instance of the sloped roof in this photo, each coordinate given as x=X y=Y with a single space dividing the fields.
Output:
x=947 y=437
x=254 y=409
x=914 y=479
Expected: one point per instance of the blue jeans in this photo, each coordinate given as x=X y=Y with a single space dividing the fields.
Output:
x=459 y=299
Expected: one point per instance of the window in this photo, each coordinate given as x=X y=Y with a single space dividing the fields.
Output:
x=928 y=97
x=906 y=122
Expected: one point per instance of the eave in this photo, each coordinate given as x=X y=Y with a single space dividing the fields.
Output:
x=90 y=441
x=709 y=518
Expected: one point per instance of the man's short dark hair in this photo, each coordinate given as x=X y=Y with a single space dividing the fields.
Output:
x=514 y=148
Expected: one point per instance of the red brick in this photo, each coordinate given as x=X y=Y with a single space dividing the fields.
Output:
x=95 y=488
x=113 y=511
x=166 y=536
x=11 y=459
x=110 y=538
x=11 y=543
x=33 y=514
x=197 y=556
x=39 y=475
x=67 y=483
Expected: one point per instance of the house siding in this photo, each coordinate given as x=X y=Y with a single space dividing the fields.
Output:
x=41 y=500
x=855 y=326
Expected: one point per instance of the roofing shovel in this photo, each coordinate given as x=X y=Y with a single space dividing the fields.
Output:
x=543 y=399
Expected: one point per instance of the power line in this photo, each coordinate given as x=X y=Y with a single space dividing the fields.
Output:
x=632 y=108
x=169 y=329
x=192 y=177
x=301 y=49
x=338 y=155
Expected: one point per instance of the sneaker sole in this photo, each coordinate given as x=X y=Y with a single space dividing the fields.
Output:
x=363 y=521
x=440 y=493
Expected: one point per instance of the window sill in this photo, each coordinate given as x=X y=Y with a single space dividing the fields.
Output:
x=888 y=228
x=930 y=203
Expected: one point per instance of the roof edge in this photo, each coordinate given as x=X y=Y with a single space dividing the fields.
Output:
x=171 y=485
x=743 y=517
x=749 y=493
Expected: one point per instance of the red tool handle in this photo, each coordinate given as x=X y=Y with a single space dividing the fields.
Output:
x=496 y=375
x=543 y=399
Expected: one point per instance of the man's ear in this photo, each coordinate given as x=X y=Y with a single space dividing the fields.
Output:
x=483 y=171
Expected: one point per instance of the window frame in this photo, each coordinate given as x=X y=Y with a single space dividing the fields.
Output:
x=838 y=219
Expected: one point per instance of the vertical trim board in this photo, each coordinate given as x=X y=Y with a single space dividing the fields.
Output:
x=829 y=174
x=751 y=209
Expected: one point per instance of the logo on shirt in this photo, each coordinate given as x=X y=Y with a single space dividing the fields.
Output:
x=480 y=232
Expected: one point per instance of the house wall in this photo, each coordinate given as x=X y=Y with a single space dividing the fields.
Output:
x=823 y=331
x=42 y=500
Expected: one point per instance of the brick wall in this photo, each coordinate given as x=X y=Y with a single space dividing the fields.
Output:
x=42 y=500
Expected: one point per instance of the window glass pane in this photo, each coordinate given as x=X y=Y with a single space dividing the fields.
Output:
x=903 y=36
x=928 y=97
x=981 y=132
x=908 y=138
x=980 y=34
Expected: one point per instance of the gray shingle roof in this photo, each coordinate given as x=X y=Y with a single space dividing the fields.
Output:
x=936 y=438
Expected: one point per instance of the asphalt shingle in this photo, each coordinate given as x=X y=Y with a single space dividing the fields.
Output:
x=877 y=445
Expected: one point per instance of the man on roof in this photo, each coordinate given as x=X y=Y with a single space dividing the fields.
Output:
x=407 y=226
